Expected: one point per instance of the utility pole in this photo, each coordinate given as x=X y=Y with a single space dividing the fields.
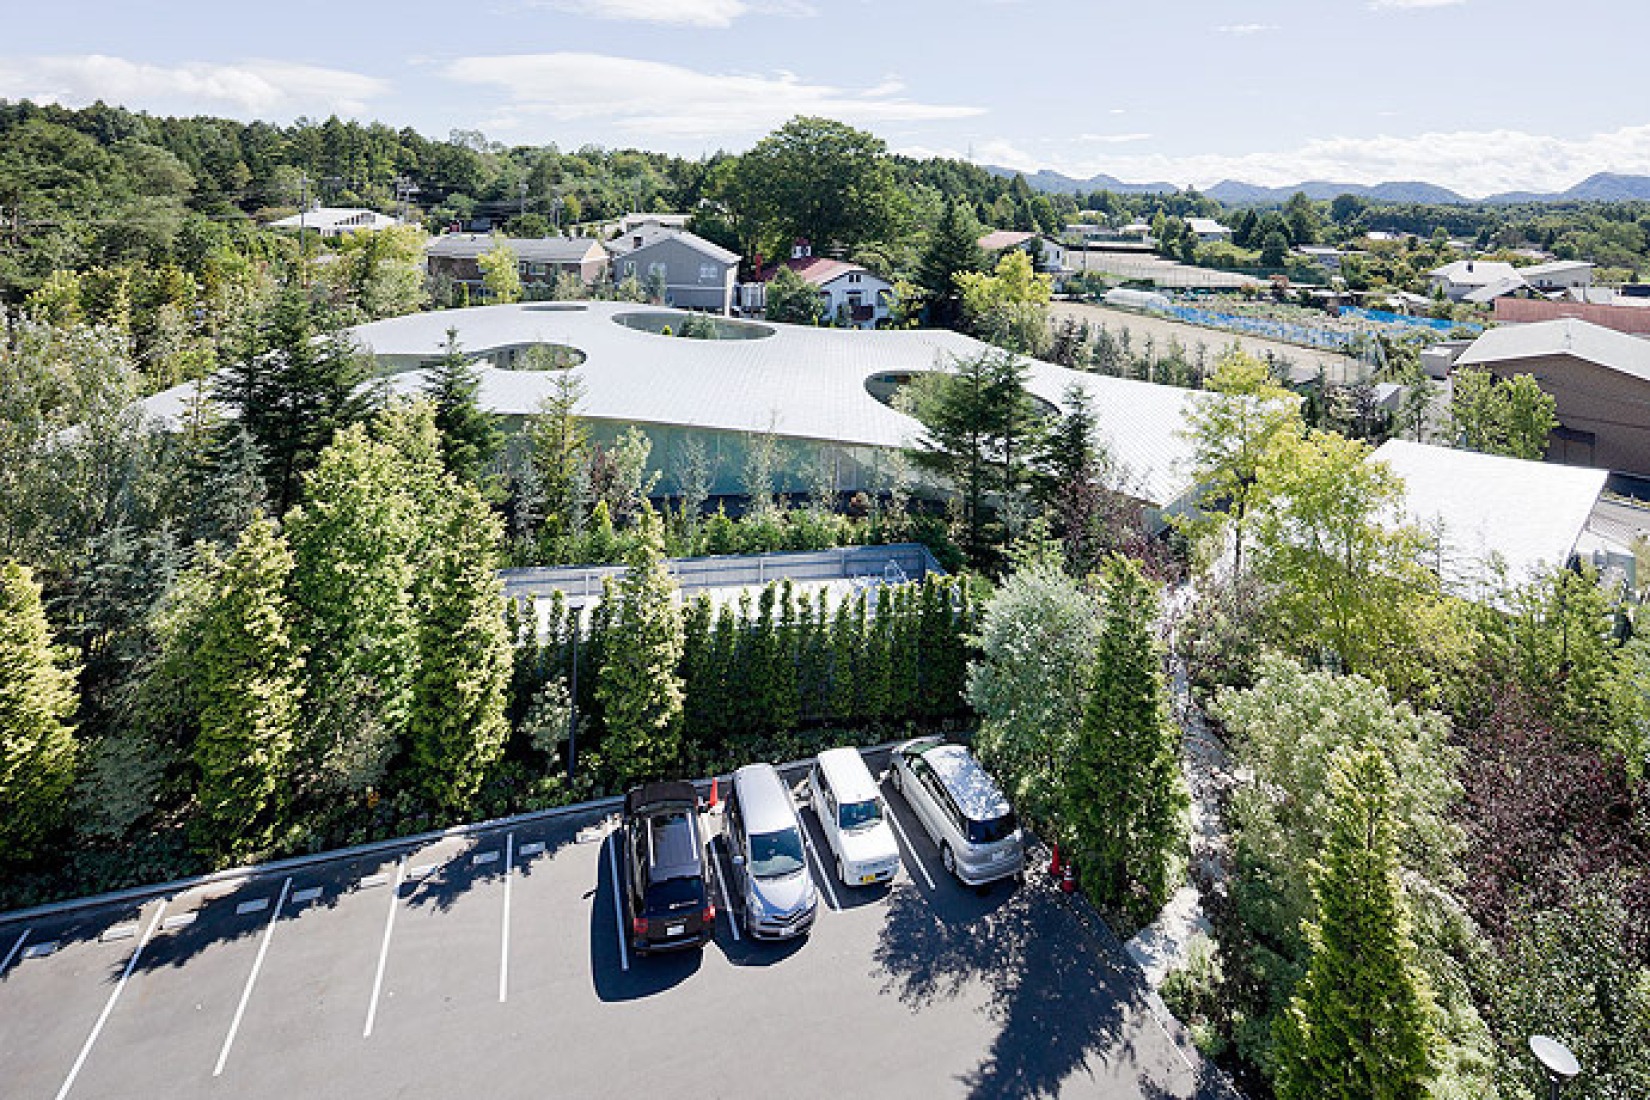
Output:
x=522 y=187
x=303 y=212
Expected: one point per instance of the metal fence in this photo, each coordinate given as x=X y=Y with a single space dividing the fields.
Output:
x=896 y=563
x=1381 y=316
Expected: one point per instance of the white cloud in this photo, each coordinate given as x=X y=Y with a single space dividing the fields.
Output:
x=1404 y=5
x=1246 y=29
x=1112 y=139
x=692 y=13
x=247 y=89
x=658 y=101
x=1473 y=162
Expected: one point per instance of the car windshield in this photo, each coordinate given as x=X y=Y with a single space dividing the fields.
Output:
x=774 y=855
x=988 y=832
x=855 y=816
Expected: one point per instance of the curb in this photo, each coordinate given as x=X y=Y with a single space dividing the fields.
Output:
x=376 y=847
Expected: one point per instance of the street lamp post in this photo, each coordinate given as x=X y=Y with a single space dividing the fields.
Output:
x=1557 y=1062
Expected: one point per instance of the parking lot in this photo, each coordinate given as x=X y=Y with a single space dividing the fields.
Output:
x=495 y=962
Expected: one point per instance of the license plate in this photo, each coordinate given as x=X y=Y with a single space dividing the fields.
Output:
x=675 y=929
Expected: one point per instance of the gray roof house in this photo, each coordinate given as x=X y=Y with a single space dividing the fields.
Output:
x=695 y=273
x=541 y=259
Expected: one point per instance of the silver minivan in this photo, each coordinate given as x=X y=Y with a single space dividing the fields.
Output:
x=770 y=865
x=961 y=808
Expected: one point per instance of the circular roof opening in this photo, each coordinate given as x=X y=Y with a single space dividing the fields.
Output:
x=694 y=326
x=539 y=356
x=886 y=387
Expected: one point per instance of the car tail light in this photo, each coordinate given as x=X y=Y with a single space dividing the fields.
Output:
x=639 y=926
x=709 y=915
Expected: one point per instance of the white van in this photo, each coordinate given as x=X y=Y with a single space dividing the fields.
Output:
x=850 y=811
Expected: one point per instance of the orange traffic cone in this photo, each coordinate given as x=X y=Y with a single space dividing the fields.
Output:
x=1068 y=881
x=1055 y=864
x=715 y=792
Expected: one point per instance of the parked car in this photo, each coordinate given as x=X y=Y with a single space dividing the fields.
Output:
x=850 y=811
x=769 y=863
x=961 y=808
x=666 y=888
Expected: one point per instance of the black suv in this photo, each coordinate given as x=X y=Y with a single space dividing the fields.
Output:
x=666 y=888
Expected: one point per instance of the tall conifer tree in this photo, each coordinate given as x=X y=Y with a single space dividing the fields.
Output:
x=37 y=705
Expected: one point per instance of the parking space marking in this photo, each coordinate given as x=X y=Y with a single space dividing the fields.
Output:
x=534 y=848
x=618 y=906
x=910 y=849
x=180 y=920
x=39 y=950
x=251 y=979
x=256 y=905
x=375 y=880
x=483 y=857
x=109 y=1006
x=423 y=870
x=825 y=879
x=118 y=932
x=384 y=950
x=308 y=894
x=722 y=888
x=15 y=948
x=504 y=946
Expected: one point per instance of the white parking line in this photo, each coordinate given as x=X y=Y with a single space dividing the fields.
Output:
x=722 y=888
x=910 y=850
x=824 y=877
x=618 y=906
x=15 y=948
x=504 y=947
x=384 y=951
x=114 y=995
x=251 y=979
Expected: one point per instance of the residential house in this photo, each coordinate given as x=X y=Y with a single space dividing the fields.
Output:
x=1459 y=279
x=852 y=295
x=1207 y=229
x=541 y=259
x=335 y=221
x=1048 y=256
x=1599 y=379
x=690 y=272
x=1558 y=275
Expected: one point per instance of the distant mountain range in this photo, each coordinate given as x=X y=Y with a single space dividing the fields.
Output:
x=1603 y=187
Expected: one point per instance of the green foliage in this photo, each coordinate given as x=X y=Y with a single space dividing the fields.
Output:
x=1508 y=417
x=1009 y=307
x=1038 y=634
x=791 y=299
x=457 y=726
x=953 y=250
x=37 y=705
x=469 y=436
x=247 y=686
x=1125 y=799
x=638 y=685
x=500 y=273
x=1360 y=1024
x=817 y=180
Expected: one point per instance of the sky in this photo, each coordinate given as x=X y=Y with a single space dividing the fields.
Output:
x=1476 y=95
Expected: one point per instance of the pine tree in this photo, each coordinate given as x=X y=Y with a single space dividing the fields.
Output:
x=457 y=727
x=699 y=687
x=729 y=670
x=469 y=437
x=844 y=689
x=1360 y=1024
x=638 y=684
x=873 y=678
x=787 y=639
x=1126 y=798
x=37 y=705
x=246 y=681
x=952 y=250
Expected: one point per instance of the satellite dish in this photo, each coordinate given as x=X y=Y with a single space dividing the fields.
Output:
x=1555 y=1058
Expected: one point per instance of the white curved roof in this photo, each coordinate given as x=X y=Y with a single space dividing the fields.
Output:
x=800 y=382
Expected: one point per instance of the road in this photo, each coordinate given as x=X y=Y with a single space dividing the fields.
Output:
x=493 y=962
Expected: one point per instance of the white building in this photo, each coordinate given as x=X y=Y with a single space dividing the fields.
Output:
x=335 y=221
x=852 y=296
x=1459 y=279
x=1207 y=229
x=1558 y=275
x=1050 y=256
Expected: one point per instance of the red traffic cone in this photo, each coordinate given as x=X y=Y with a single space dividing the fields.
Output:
x=1055 y=864
x=1068 y=881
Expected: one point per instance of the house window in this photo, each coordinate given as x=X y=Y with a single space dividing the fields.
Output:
x=657 y=271
x=630 y=267
x=538 y=269
x=707 y=273
x=853 y=276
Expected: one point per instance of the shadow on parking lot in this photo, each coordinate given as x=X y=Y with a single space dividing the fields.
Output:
x=648 y=975
x=1053 y=988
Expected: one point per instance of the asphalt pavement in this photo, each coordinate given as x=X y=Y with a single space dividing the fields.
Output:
x=494 y=962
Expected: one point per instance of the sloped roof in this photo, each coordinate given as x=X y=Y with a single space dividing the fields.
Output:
x=653 y=234
x=818 y=270
x=1000 y=240
x=561 y=250
x=326 y=217
x=1501 y=287
x=1570 y=336
x=1475 y=272
x=1206 y=226
x=1490 y=509
x=1555 y=267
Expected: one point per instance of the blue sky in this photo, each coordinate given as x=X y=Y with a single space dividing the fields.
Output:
x=1478 y=95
